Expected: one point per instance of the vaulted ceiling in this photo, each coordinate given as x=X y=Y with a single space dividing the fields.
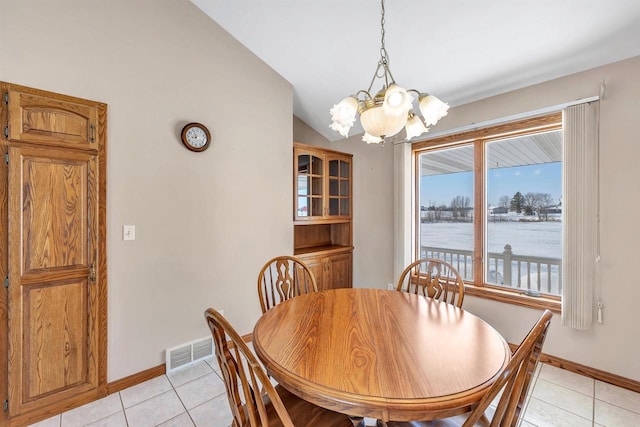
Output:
x=458 y=50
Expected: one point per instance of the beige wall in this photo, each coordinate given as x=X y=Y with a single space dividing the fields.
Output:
x=611 y=346
x=372 y=211
x=200 y=218
x=302 y=132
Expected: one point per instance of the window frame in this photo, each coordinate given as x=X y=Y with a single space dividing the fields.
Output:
x=478 y=138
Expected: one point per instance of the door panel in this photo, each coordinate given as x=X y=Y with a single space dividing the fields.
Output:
x=340 y=270
x=43 y=119
x=317 y=267
x=55 y=355
x=54 y=215
x=53 y=310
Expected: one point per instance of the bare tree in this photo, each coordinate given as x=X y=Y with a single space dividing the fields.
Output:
x=537 y=203
x=504 y=202
x=530 y=203
x=544 y=202
x=460 y=206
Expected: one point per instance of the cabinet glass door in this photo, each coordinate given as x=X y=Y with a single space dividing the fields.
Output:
x=310 y=186
x=339 y=186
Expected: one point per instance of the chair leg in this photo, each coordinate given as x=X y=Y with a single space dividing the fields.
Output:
x=357 y=421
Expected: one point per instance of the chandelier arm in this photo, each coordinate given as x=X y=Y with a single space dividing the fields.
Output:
x=366 y=93
x=375 y=75
x=388 y=72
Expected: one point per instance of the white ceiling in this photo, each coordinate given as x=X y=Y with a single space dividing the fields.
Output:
x=458 y=50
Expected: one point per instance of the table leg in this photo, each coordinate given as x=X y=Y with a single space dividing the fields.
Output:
x=357 y=421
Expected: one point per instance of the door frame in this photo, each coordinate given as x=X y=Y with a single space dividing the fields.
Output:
x=101 y=261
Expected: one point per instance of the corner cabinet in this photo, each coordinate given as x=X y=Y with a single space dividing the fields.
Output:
x=322 y=216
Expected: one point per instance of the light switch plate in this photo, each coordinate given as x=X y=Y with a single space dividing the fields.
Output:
x=128 y=232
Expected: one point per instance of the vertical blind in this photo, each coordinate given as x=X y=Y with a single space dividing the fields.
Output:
x=580 y=209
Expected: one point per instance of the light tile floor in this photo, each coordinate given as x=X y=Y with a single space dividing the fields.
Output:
x=195 y=396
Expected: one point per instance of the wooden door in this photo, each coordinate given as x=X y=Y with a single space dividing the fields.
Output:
x=317 y=265
x=56 y=253
x=309 y=184
x=339 y=269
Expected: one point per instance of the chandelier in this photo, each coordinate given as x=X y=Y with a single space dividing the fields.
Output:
x=388 y=111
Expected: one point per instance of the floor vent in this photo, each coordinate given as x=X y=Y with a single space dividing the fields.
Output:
x=188 y=353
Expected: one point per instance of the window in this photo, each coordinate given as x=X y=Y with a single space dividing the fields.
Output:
x=489 y=202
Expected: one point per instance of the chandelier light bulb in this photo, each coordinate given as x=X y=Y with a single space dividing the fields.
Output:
x=370 y=139
x=397 y=102
x=343 y=115
x=415 y=127
x=432 y=109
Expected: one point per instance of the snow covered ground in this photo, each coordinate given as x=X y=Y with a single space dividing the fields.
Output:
x=529 y=239
x=542 y=239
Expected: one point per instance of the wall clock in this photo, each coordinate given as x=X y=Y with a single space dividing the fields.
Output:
x=196 y=137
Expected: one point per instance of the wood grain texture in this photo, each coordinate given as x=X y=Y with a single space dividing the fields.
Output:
x=135 y=379
x=42 y=119
x=433 y=278
x=56 y=211
x=332 y=268
x=284 y=277
x=380 y=354
x=4 y=268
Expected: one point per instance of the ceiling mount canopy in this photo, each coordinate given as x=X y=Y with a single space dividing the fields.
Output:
x=388 y=111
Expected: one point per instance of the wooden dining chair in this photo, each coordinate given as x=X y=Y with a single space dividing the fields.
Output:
x=433 y=278
x=284 y=277
x=253 y=399
x=513 y=381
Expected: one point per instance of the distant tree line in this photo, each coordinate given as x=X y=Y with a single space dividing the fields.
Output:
x=460 y=207
x=529 y=204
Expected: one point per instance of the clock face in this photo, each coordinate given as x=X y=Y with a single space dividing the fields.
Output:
x=196 y=137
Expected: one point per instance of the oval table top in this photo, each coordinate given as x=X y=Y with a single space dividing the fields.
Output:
x=382 y=354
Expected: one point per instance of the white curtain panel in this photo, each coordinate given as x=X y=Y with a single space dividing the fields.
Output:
x=580 y=210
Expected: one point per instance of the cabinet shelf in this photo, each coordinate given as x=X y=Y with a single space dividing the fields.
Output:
x=322 y=250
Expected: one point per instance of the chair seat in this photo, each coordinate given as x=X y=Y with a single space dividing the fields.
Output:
x=305 y=414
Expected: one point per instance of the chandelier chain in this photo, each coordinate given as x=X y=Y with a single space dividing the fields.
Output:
x=383 y=49
x=385 y=112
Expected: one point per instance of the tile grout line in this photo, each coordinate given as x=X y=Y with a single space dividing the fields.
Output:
x=123 y=411
x=593 y=410
x=180 y=399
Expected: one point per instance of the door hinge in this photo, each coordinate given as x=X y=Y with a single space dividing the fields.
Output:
x=6 y=97
x=92 y=272
x=92 y=136
x=6 y=282
x=6 y=131
x=6 y=405
x=6 y=158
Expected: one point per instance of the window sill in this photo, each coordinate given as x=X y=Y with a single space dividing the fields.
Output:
x=511 y=297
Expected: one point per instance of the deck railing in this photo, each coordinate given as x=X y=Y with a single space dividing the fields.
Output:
x=524 y=272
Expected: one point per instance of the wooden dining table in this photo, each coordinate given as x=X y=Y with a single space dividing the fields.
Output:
x=388 y=355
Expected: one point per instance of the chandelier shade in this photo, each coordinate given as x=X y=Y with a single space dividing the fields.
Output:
x=376 y=122
x=390 y=110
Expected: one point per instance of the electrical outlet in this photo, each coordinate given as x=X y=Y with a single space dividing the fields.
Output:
x=390 y=287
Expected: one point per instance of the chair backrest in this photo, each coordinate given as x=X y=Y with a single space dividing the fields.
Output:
x=282 y=278
x=433 y=278
x=244 y=378
x=515 y=379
